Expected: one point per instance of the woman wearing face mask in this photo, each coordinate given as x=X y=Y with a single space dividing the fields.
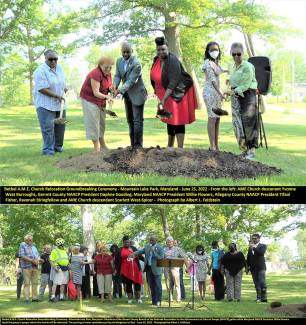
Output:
x=212 y=94
x=202 y=269
x=244 y=107
x=174 y=88
x=233 y=262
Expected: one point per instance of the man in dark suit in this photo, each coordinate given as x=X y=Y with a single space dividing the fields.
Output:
x=257 y=265
x=153 y=252
x=128 y=72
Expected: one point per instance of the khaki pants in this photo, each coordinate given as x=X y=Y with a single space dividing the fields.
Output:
x=104 y=283
x=233 y=285
x=30 y=276
x=175 y=273
x=94 y=120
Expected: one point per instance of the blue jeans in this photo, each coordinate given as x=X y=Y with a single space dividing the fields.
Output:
x=259 y=280
x=155 y=285
x=53 y=134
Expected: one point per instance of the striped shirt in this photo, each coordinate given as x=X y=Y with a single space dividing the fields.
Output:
x=31 y=252
x=55 y=80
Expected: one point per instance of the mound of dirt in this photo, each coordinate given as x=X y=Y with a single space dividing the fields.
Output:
x=195 y=163
x=298 y=310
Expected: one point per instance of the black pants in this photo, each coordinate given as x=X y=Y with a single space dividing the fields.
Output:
x=129 y=285
x=117 y=286
x=218 y=280
x=175 y=129
x=259 y=280
x=249 y=117
x=134 y=116
x=19 y=285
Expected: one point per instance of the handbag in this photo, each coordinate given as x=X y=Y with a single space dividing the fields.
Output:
x=72 y=291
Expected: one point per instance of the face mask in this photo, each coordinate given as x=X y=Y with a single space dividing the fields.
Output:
x=199 y=252
x=214 y=54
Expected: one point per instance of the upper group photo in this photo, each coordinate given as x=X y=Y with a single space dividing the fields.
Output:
x=163 y=92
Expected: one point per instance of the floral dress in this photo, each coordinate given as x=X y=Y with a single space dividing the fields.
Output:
x=201 y=267
x=211 y=97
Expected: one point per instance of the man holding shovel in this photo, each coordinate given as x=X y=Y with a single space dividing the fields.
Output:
x=50 y=87
x=129 y=74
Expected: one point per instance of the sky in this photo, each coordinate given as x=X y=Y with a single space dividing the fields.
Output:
x=293 y=10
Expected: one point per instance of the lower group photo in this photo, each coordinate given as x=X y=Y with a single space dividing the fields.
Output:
x=153 y=261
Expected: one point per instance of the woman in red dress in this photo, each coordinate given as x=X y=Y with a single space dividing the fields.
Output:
x=174 y=88
x=130 y=270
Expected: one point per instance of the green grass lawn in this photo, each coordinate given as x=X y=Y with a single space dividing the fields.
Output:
x=287 y=288
x=22 y=163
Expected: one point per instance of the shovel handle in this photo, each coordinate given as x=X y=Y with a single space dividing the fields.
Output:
x=62 y=109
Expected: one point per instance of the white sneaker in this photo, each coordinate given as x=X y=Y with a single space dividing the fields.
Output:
x=129 y=301
x=139 y=301
x=158 y=304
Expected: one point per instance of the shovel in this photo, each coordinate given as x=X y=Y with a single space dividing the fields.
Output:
x=61 y=120
x=109 y=111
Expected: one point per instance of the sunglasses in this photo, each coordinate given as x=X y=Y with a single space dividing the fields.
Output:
x=236 y=54
x=52 y=59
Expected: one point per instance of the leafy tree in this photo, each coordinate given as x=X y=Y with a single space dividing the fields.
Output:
x=38 y=30
x=301 y=243
x=11 y=11
x=45 y=222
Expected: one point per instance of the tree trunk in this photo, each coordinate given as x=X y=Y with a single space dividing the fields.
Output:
x=198 y=222
x=31 y=64
x=1 y=240
x=172 y=35
x=164 y=222
x=246 y=41
x=87 y=222
x=249 y=36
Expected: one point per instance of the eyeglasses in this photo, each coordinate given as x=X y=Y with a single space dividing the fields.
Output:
x=52 y=59
x=236 y=54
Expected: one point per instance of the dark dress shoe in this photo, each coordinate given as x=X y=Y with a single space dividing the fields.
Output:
x=219 y=111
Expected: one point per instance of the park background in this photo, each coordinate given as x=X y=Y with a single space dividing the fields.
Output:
x=282 y=227
x=81 y=31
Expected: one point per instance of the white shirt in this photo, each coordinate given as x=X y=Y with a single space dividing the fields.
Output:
x=55 y=80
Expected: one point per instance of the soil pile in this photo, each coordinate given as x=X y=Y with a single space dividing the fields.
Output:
x=195 y=163
x=298 y=310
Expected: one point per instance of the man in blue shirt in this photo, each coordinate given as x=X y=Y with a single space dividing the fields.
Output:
x=29 y=260
x=217 y=274
x=153 y=252
x=49 y=90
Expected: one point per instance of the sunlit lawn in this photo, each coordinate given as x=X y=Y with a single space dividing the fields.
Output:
x=287 y=288
x=22 y=163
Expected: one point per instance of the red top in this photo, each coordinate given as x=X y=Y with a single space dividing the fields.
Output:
x=183 y=111
x=103 y=264
x=105 y=83
x=129 y=268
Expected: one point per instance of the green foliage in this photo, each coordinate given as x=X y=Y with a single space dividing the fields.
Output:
x=14 y=85
x=45 y=222
x=301 y=243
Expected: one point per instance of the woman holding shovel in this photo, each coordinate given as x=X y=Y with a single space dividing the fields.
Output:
x=94 y=94
x=49 y=90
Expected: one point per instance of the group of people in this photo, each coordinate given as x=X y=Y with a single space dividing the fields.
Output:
x=114 y=269
x=172 y=85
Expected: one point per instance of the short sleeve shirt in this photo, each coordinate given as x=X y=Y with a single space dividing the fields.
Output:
x=31 y=252
x=103 y=264
x=105 y=83
x=53 y=79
